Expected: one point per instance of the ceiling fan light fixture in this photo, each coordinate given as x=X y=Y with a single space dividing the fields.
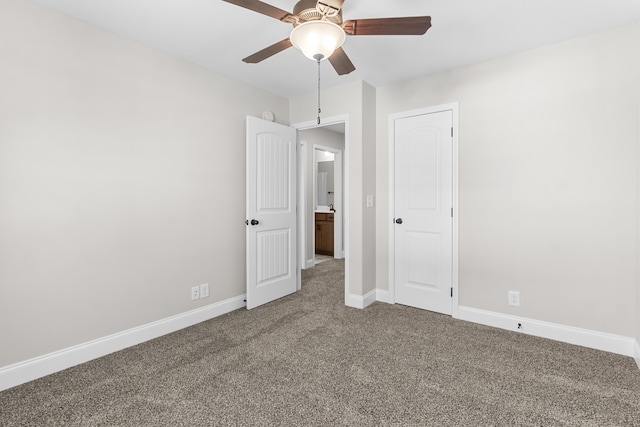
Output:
x=317 y=39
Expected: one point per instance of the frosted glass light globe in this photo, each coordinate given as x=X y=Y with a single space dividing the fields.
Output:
x=317 y=39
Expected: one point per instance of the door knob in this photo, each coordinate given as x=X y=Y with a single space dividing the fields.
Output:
x=255 y=222
x=398 y=220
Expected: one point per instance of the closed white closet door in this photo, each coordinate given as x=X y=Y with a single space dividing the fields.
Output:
x=423 y=229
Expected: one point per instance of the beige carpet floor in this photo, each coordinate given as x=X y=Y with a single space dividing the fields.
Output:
x=322 y=258
x=307 y=360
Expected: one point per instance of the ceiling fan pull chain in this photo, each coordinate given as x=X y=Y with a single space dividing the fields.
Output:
x=319 y=110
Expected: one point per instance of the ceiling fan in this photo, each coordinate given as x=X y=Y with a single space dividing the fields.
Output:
x=312 y=17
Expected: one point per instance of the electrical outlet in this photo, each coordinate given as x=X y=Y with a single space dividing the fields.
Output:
x=514 y=298
x=204 y=290
x=195 y=292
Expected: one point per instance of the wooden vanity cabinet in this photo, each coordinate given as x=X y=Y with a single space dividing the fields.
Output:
x=324 y=233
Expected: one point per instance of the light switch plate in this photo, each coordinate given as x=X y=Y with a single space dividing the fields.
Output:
x=204 y=290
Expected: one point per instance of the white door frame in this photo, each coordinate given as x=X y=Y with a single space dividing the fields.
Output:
x=338 y=253
x=302 y=207
x=453 y=107
x=345 y=174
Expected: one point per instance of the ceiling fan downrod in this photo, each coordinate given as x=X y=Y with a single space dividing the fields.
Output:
x=318 y=58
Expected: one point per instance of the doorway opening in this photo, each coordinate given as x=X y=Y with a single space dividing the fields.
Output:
x=323 y=192
x=327 y=201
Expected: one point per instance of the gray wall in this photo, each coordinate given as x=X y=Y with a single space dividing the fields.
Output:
x=548 y=187
x=122 y=182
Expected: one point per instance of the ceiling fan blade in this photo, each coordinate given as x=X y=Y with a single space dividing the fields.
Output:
x=341 y=62
x=268 y=51
x=261 y=7
x=409 y=26
x=336 y=5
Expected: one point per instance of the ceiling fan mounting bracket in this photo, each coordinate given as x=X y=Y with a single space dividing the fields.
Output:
x=309 y=10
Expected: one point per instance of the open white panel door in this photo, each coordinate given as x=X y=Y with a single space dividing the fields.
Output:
x=271 y=211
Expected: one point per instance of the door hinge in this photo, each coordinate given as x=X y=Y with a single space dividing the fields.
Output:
x=451 y=292
x=451 y=132
x=451 y=212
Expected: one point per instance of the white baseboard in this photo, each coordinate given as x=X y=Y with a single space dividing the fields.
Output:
x=636 y=352
x=584 y=337
x=358 y=301
x=28 y=370
x=384 y=296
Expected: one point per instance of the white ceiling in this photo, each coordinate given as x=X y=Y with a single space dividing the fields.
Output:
x=217 y=35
